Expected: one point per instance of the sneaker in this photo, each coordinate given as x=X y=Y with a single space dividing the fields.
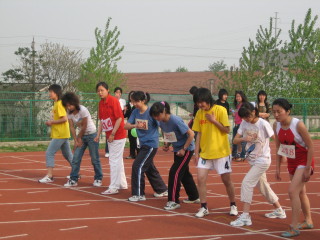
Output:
x=278 y=213
x=46 y=179
x=191 y=201
x=106 y=155
x=233 y=210
x=202 y=212
x=71 y=183
x=97 y=183
x=136 y=198
x=171 y=205
x=164 y=194
x=291 y=233
x=79 y=177
x=242 y=220
x=305 y=225
x=110 y=191
x=123 y=187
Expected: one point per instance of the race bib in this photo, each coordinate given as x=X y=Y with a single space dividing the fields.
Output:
x=142 y=124
x=287 y=151
x=169 y=137
x=106 y=125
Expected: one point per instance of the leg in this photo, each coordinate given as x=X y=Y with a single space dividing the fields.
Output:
x=94 y=154
x=202 y=184
x=76 y=161
x=189 y=185
x=107 y=147
x=54 y=146
x=66 y=151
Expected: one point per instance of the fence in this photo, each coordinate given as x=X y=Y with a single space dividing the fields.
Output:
x=23 y=114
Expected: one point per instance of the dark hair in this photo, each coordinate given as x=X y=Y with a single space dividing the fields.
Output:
x=159 y=107
x=203 y=95
x=118 y=88
x=222 y=92
x=282 y=102
x=246 y=110
x=72 y=99
x=193 y=90
x=56 y=89
x=141 y=96
x=129 y=95
x=243 y=96
x=263 y=93
x=102 y=84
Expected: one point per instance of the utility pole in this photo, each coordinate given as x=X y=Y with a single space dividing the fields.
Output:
x=211 y=85
x=276 y=25
x=33 y=66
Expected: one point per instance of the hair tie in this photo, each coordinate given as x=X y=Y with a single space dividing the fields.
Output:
x=163 y=103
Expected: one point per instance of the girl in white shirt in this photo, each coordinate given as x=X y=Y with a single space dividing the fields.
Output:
x=255 y=131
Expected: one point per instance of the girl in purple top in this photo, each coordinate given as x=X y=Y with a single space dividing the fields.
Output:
x=239 y=99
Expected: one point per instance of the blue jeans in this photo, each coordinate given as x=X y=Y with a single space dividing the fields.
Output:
x=88 y=141
x=56 y=144
x=235 y=146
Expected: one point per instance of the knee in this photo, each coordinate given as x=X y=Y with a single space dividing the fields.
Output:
x=293 y=193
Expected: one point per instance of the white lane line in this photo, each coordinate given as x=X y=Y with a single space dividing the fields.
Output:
x=74 y=228
x=136 y=220
x=3 y=181
x=13 y=236
x=27 y=210
x=38 y=192
x=75 y=205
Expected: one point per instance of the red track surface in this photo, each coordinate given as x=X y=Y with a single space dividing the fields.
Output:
x=30 y=210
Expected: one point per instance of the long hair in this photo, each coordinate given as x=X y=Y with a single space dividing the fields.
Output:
x=282 y=102
x=159 y=107
x=243 y=96
x=141 y=96
x=263 y=93
x=247 y=109
x=72 y=99
x=103 y=84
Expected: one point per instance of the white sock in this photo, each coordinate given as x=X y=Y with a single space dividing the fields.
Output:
x=245 y=214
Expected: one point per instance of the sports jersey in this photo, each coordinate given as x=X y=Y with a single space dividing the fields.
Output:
x=60 y=130
x=175 y=132
x=213 y=142
x=109 y=112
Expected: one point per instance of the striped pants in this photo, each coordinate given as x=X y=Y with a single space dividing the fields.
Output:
x=257 y=177
x=179 y=173
x=143 y=164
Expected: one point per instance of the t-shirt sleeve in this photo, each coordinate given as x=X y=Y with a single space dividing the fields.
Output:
x=61 y=110
x=240 y=129
x=223 y=117
x=196 y=122
x=268 y=129
x=117 y=109
x=183 y=128
x=132 y=117
x=84 y=112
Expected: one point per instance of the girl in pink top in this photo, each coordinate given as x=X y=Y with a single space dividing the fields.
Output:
x=238 y=151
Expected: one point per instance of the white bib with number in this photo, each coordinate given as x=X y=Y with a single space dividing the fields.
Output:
x=142 y=124
x=169 y=137
x=106 y=125
x=287 y=151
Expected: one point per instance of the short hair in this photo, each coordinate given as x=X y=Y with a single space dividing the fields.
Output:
x=72 y=99
x=56 y=88
x=141 y=96
x=118 y=88
x=222 y=92
x=102 y=84
x=203 y=95
x=159 y=107
x=193 y=90
x=282 y=102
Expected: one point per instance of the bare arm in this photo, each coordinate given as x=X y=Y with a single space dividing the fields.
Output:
x=278 y=157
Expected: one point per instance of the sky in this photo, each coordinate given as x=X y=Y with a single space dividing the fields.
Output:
x=158 y=35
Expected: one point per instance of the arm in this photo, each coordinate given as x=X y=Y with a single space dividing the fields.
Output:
x=96 y=139
x=115 y=129
x=211 y=118
x=278 y=157
x=73 y=132
x=129 y=126
x=182 y=151
x=302 y=130
x=60 y=120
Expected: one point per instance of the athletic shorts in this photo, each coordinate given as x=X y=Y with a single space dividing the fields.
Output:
x=221 y=165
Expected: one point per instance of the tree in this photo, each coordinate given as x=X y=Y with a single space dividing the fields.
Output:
x=102 y=62
x=61 y=65
x=182 y=69
x=218 y=66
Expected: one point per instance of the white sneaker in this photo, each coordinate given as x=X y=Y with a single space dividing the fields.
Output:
x=202 y=212
x=278 y=213
x=171 y=205
x=136 y=198
x=233 y=210
x=242 y=220
x=79 y=177
x=123 y=187
x=106 y=155
x=191 y=201
x=97 y=183
x=71 y=183
x=110 y=191
x=46 y=179
x=164 y=194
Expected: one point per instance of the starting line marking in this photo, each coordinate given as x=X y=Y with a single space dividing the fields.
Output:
x=74 y=228
x=136 y=220
x=13 y=236
x=38 y=191
x=75 y=205
x=27 y=210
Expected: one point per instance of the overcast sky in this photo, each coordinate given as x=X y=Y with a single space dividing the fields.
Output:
x=158 y=35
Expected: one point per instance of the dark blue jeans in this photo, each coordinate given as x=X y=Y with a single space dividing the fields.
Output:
x=88 y=141
x=235 y=146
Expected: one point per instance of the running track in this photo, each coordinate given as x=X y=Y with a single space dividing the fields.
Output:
x=30 y=210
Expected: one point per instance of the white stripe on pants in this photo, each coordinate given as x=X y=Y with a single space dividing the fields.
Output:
x=117 y=174
x=257 y=177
